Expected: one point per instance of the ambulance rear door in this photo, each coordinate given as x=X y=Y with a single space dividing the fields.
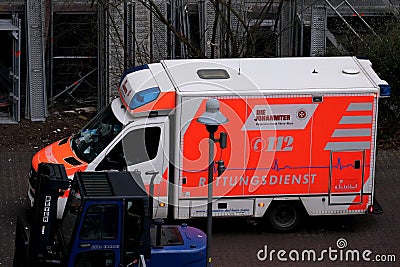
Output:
x=346 y=176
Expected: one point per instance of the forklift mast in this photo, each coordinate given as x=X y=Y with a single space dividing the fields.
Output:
x=51 y=183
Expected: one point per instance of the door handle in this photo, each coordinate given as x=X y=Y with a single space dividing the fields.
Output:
x=154 y=172
x=357 y=164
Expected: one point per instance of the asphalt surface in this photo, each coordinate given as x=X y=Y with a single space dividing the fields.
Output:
x=237 y=242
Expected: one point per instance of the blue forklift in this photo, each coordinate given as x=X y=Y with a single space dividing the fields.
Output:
x=107 y=222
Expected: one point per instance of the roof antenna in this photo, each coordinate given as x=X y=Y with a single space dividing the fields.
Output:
x=239 y=68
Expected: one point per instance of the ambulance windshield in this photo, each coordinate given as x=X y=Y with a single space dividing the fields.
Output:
x=96 y=135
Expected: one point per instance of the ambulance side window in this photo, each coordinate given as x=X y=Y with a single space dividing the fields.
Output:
x=141 y=145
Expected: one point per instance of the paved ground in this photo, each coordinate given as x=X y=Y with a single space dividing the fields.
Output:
x=235 y=242
x=14 y=167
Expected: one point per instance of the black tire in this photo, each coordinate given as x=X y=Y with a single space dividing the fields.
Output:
x=284 y=216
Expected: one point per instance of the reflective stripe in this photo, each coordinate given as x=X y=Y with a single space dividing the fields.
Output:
x=351 y=132
x=359 y=107
x=347 y=145
x=49 y=154
x=355 y=119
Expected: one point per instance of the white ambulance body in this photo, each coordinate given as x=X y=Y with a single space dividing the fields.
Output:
x=301 y=136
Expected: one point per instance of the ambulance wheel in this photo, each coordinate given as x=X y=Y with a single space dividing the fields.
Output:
x=284 y=216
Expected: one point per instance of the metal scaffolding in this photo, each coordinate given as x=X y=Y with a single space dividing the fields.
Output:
x=103 y=92
x=146 y=39
x=36 y=104
x=318 y=31
x=287 y=29
x=10 y=99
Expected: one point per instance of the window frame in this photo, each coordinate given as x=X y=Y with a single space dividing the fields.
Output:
x=130 y=160
x=114 y=217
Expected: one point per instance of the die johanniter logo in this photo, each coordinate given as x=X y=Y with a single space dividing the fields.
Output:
x=301 y=114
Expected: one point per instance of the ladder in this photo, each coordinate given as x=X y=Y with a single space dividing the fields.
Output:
x=36 y=104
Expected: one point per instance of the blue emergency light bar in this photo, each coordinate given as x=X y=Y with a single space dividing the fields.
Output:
x=144 y=97
x=385 y=90
x=131 y=70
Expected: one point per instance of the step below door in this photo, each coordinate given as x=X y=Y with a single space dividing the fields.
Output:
x=346 y=177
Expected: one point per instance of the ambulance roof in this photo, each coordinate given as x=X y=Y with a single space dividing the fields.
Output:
x=271 y=74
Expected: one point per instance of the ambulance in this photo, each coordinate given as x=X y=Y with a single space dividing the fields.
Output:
x=301 y=137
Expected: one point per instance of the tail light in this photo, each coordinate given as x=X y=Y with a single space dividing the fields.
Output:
x=370 y=209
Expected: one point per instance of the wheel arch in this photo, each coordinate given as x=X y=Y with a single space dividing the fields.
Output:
x=276 y=206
